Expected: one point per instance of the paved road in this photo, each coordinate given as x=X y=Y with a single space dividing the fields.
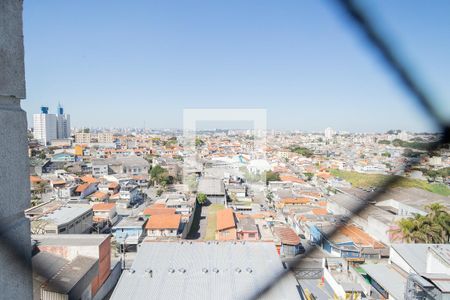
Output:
x=198 y=229
x=203 y=222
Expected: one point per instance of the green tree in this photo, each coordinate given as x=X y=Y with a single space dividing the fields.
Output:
x=42 y=155
x=384 y=142
x=199 y=142
x=159 y=175
x=41 y=188
x=272 y=176
x=433 y=228
x=201 y=198
x=302 y=151
x=308 y=175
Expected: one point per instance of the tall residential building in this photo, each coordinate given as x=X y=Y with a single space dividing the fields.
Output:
x=329 y=133
x=44 y=126
x=63 y=124
x=49 y=127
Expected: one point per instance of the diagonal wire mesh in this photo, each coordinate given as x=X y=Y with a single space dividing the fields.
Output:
x=388 y=56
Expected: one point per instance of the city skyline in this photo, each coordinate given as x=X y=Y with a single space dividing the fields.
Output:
x=168 y=57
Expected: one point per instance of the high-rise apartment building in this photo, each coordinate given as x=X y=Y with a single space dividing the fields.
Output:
x=47 y=127
x=63 y=124
x=329 y=133
x=44 y=126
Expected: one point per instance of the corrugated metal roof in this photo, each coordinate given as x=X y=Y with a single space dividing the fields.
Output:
x=202 y=270
x=389 y=278
x=67 y=213
x=414 y=254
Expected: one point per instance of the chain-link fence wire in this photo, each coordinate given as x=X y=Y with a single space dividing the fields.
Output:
x=358 y=18
x=388 y=56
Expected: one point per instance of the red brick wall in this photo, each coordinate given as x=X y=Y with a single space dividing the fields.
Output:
x=104 y=265
x=104 y=261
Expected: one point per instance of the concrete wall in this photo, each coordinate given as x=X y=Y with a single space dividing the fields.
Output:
x=335 y=286
x=15 y=246
x=397 y=260
x=379 y=230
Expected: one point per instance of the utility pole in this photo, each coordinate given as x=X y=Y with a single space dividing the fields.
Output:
x=123 y=246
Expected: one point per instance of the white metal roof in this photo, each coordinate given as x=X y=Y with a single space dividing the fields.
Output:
x=202 y=270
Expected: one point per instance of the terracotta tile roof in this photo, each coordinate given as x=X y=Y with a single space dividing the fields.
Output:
x=58 y=181
x=35 y=179
x=157 y=205
x=323 y=175
x=140 y=177
x=312 y=194
x=82 y=187
x=99 y=195
x=289 y=178
x=280 y=169
x=287 y=235
x=241 y=215
x=322 y=203
x=163 y=222
x=115 y=196
x=88 y=179
x=359 y=237
x=225 y=219
x=320 y=211
x=153 y=211
x=295 y=200
x=113 y=185
x=103 y=206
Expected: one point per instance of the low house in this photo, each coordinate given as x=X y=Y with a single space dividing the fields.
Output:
x=100 y=167
x=351 y=241
x=290 y=243
x=133 y=165
x=236 y=190
x=247 y=229
x=110 y=187
x=141 y=180
x=164 y=225
x=241 y=204
x=64 y=219
x=226 y=225
x=129 y=231
x=105 y=214
x=213 y=188
x=130 y=195
x=155 y=209
x=295 y=201
x=99 y=196
x=63 y=157
x=179 y=202
x=85 y=189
